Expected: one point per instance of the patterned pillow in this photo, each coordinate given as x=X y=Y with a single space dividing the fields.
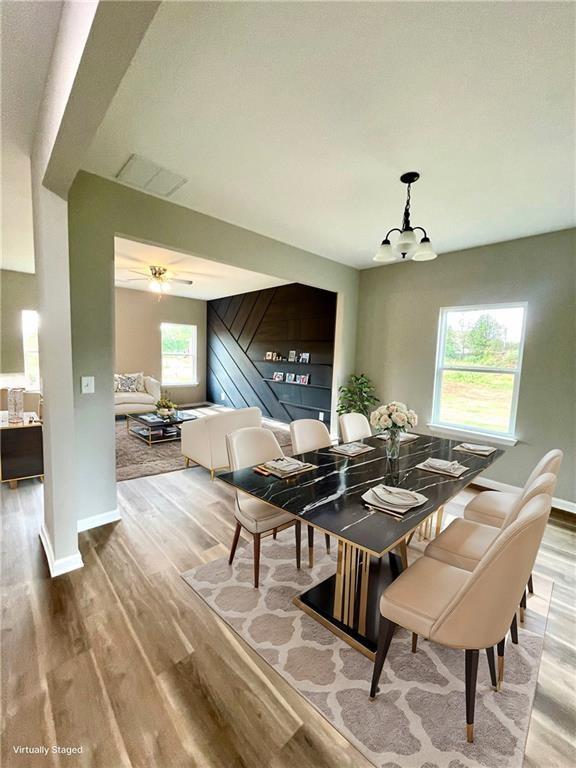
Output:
x=129 y=382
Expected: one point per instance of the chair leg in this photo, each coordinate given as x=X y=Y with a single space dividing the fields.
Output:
x=514 y=630
x=327 y=541
x=310 y=546
x=522 y=607
x=385 y=632
x=471 y=677
x=414 y=642
x=187 y=462
x=256 y=559
x=492 y=666
x=274 y=533
x=234 y=543
x=501 y=646
x=298 y=535
x=530 y=585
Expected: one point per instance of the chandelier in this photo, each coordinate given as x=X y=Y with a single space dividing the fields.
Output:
x=407 y=245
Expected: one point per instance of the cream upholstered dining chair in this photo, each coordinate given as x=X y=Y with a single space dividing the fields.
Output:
x=354 y=426
x=249 y=447
x=492 y=507
x=310 y=435
x=463 y=543
x=467 y=610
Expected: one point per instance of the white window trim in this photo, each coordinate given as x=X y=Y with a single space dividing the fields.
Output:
x=435 y=425
x=194 y=381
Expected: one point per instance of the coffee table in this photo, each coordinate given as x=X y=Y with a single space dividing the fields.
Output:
x=151 y=428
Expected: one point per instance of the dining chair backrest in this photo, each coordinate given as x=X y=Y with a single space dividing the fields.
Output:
x=480 y=614
x=550 y=462
x=309 y=435
x=545 y=483
x=250 y=446
x=354 y=426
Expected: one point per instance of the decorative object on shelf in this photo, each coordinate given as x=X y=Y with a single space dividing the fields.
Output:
x=292 y=356
x=357 y=396
x=407 y=246
x=393 y=418
x=165 y=407
x=16 y=405
x=278 y=376
x=302 y=378
x=269 y=356
x=290 y=378
x=304 y=357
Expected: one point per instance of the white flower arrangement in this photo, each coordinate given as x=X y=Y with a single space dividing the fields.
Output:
x=394 y=416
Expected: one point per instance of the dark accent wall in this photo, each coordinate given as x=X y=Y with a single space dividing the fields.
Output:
x=241 y=329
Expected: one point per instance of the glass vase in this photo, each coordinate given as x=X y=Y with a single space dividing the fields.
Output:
x=16 y=405
x=393 y=444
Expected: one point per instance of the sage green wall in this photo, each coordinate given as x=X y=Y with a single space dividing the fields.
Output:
x=398 y=323
x=17 y=292
x=97 y=211
x=137 y=340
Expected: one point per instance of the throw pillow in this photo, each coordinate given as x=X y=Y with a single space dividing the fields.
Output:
x=129 y=382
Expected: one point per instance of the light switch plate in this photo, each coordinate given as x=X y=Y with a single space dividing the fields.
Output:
x=87 y=385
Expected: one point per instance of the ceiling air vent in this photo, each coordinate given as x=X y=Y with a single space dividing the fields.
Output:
x=139 y=172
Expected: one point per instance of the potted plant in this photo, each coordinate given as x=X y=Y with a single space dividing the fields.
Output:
x=357 y=396
x=165 y=407
x=393 y=418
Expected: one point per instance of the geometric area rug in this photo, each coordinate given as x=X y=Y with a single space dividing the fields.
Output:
x=418 y=718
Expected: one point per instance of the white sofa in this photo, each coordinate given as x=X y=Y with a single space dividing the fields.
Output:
x=204 y=439
x=138 y=402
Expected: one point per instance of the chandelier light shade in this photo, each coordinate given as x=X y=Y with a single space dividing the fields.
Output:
x=408 y=245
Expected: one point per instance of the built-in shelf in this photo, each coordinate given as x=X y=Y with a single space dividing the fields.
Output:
x=306 y=407
x=295 y=384
x=291 y=362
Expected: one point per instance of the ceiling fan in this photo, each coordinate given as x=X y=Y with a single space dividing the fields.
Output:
x=159 y=278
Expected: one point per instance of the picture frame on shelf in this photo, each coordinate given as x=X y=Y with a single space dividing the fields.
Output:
x=303 y=378
x=277 y=376
x=292 y=355
x=304 y=357
x=290 y=378
x=268 y=356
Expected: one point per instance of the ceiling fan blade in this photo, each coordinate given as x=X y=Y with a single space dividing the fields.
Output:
x=178 y=280
x=131 y=279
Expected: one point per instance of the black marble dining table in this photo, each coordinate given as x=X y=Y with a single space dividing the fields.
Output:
x=329 y=498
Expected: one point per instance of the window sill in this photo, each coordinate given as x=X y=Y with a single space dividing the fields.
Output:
x=465 y=433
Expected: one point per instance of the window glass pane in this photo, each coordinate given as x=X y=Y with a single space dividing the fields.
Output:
x=489 y=338
x=473 y=399
x=30 y=348
x=178 y=353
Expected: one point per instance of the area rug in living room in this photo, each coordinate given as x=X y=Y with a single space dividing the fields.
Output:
x=418 y=719
x=134 y=458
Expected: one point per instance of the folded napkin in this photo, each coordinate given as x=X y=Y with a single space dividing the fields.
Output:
x=391 y=499
x=442 y=467
x=284 y=467
x=480 y=450
x=352 y=449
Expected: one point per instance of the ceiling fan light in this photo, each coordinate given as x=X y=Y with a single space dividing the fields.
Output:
x=406 y=243
x=386 y=254
x=424 y=252
x=155 y=287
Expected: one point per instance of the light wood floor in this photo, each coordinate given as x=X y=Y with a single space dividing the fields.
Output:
x=122 y=658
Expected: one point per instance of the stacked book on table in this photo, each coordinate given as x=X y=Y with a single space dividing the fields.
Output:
x=392 y=500
x=352 y=449
x=285 y=467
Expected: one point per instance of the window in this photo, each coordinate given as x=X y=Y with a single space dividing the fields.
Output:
x=30 y=348
x=478 y=364
x=178 y=354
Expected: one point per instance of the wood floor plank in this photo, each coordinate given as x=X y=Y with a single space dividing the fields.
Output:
x=123 y=655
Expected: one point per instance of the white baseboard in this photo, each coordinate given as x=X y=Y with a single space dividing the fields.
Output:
x=96 y=520
x=494 y=485
x=63 y=564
